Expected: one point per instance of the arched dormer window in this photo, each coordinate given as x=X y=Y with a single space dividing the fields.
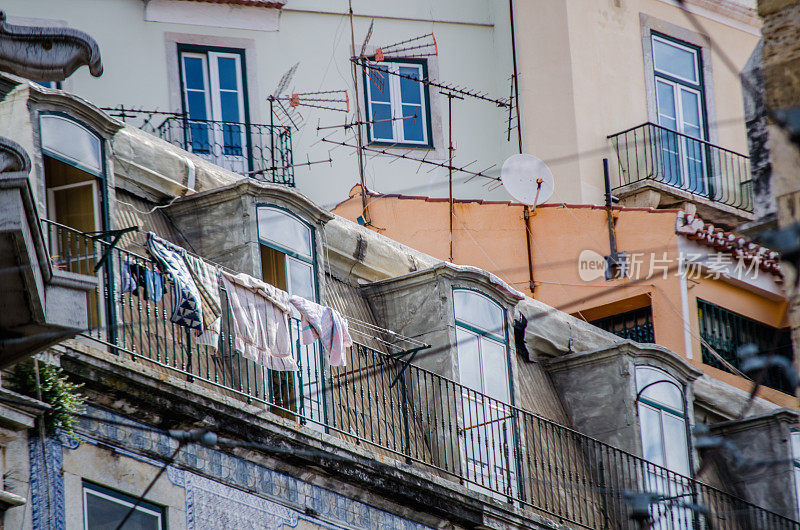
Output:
x=73 y=172
x=287 y=251
x=662 y=419
x=288 y=262
x=482 y=348
x=662 y=426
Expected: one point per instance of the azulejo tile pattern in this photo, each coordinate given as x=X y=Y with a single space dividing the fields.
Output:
x=45 y=464
x=222 y=491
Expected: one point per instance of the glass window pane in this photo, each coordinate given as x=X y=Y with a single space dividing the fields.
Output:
x=410 y=91
x=674 y=60
x=194 y=72
x=378 y=82
x=301 y=278
x=197 y=105
x=227 y=73
x=690 y=107
x=795 y=437
x=495 y=370
x=797 y=485
x=229 y=103
x=284 y=230
x=104 y=513
x=667 y=116
x=677 y=452
x=469 y=362
x=413 y=127
x=72 y=141
x=479 y=311
x=383 y=130
x=650 y=426
x=667 y=393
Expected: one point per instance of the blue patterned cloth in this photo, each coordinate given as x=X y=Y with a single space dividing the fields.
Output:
x=188 y=311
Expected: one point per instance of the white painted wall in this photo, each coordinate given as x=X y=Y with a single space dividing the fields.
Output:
x=474 y=52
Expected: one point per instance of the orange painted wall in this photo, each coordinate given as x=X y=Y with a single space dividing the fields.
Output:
x=495 y=241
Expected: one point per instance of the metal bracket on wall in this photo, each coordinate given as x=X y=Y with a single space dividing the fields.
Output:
x=116 y=234
x=413 y=353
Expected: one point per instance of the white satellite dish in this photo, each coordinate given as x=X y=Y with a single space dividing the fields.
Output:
x=527 y=179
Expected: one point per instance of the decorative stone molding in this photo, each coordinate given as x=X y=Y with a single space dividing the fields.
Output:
x=13 y=157
x=46 y=53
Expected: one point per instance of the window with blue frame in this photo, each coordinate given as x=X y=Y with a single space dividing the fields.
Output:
x=214 y=100
x=662 y=428
x=398 y=105
x=104 y=508
x=795 y=442
x=483 y=370
x=680 y=105
x=288 y=262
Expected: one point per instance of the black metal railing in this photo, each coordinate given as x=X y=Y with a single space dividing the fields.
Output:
x=726 y=332
x=635 y=325
x=406 y=412
x=650 y=152
x=245 y=148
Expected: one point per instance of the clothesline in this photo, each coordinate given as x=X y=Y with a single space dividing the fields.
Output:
x=350 y=320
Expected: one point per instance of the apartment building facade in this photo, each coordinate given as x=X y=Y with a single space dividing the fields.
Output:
x=472 y=431
x=477 y=406
x=210 y=67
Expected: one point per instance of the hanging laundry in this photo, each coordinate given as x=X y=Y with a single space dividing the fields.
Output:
x=206 y=278
x=188 y=311
x=260 y=321
x=128 y=283
x=153 y=285
x=325 y=324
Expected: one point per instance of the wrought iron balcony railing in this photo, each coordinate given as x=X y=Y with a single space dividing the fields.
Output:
x=405 y=412
x=651 y=152
x=244 y=148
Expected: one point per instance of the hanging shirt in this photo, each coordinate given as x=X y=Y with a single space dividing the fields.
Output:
x=206 y=278
x=188 y=310
x=153 y=285
x=260 y=321
x=326 y=325
x=127 y=280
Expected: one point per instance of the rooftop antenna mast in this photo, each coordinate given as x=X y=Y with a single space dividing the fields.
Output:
x=334 y=100
x=359 y=141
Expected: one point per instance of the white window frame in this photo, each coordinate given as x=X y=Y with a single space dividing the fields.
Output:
x=90 y=490
x=314 y=408
x=653 y=480
x=795 y=435
x=213 y=101
x=396 y=104
x=475 y=467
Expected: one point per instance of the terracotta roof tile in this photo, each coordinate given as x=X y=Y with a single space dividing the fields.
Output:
x=249 y=3
x=694 y=228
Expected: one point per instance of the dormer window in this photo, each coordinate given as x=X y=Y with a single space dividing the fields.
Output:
x=288 y=262
x=662 y=427
x=482 y=348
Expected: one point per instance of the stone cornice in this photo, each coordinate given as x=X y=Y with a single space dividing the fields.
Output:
x=639 y=352
x=46 y=53
x=76 y=107
x=260 y=192
x=783 y=415
x=470 y=276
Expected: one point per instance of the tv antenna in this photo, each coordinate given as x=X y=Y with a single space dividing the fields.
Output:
x=530 y=181
x=413 y=48
x=334 y=100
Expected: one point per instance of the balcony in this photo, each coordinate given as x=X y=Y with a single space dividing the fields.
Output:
x=404 y=412
x=244 y=148
x=682 y=168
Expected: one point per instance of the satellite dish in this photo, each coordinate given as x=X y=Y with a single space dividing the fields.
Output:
x=523 y=176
